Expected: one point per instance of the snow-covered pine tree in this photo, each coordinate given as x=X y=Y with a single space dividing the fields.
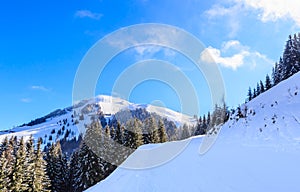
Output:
x=40 y=180
x=288 y=58
x=4 y=166
x=128 y=134
x=119 y=136
x=65 y=172
x=199 y=127
x=30 y=155
x=268 y=82
x=112 y=132
x=138 y=134
x=152 y=130
x=280 y=70
x=295 y=55
x=208 y=119
x=162 y=132
x=261 y=86
x=276 y=74
x=249 y=94
x=110 y=154
x=88 y=171
x=57 y=168
x=94 y=137
x=185 y=133
x=75 y=179
x=204 y=124
x=254 y=93
x=257 y=89
x=18 y=181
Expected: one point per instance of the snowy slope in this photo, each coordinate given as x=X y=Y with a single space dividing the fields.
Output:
x=108 y=104
x=111 y=105
x=258 y=153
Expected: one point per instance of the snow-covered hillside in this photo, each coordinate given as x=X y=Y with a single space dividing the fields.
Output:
x=56 y=127
x=260 y=152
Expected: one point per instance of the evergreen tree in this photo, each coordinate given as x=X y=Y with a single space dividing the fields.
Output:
x=40 y=180
x=295 y=56
x=208 y=119
x=280 y=69
x=94 y=137
x=112 y=133
x=30 y=155
x=162 y=132
x=10 y=154
x=185 y=133
x=74 y=179
x=257 y=89
x=261 y=86
x=276 y=74
x=65 y=173
x=18 y=181
x=138 y=134
x=6 y=165
x=249 y=94
x=129 y=134
x=3 y=173
x=88 y=172
x=268 y=82
x=288 y=58
x=151 y=129
x=254 y=93
x=119 y=137
x=57 y=168
x=200 y=120
x=199 y=127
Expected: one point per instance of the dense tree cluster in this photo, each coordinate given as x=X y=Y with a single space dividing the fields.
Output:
x=25 y=167
x=206 y=123
x=104 y=148
x=288 y=65
x=22 y=166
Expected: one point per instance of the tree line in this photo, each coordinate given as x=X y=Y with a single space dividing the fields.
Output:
x=288 y=65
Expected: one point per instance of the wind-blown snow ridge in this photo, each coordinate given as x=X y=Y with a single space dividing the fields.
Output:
x=260 y=152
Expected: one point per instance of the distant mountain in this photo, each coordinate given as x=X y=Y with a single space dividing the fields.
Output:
x=258 y=149
x=68 y=123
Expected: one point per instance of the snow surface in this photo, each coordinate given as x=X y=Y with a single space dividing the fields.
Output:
x=258 y=153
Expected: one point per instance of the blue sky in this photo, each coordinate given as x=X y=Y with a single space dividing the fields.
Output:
x=43 y=42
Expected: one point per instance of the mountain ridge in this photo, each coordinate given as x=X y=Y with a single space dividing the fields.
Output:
x=69 y=118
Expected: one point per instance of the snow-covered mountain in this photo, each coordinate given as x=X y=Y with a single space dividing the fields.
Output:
x=69 y=121
x=257 y=152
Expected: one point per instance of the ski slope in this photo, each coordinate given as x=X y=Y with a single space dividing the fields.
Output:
x=260 y=152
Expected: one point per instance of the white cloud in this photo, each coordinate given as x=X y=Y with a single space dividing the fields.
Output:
x=147 y=50
x=88 y=14
x=272 y=10
x=218 y=10
x=148 y=40
x=239 y=55
x=38 y=87
x=230 y=15
x=26 y=100
x=231 y=44
x=211 y=55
